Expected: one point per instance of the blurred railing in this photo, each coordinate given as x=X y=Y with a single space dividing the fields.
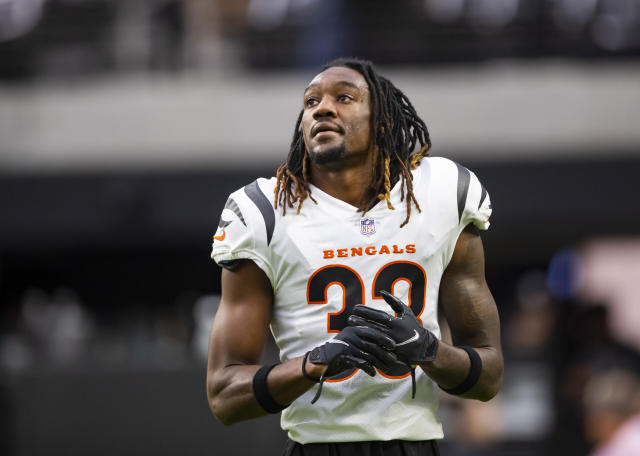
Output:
x=69 y=38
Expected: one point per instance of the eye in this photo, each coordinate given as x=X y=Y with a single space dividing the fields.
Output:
x=344 y=98
x=309 y=102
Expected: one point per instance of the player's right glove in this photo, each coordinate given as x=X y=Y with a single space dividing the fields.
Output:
x=354 y=347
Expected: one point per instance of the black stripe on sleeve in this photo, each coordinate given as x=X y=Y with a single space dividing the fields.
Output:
x=233 y=206
x=483 y=195
x=266 y=209
x=224 y=223
x=464 y=177
x=230 y=265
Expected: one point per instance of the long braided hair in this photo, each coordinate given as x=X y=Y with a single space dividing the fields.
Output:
x=396 y=132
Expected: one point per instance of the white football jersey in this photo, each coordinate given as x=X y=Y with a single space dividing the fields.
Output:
x=329 y=258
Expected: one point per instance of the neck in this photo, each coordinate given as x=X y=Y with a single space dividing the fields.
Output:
x=349 y=182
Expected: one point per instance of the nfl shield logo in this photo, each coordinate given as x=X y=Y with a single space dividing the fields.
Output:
x=367 y=226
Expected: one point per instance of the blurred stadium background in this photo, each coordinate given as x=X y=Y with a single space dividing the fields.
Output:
x=125 y=124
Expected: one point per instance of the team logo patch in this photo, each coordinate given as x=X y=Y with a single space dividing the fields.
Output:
x=367 y=226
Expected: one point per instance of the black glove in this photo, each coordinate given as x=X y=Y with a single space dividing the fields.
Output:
x=354 y=347
x=414 y=344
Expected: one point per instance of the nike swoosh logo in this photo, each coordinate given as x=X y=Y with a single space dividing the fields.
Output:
x=333 y=341
x=415 y=337
x=221 y=237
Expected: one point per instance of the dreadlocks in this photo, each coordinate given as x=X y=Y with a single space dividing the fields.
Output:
x=396 y=131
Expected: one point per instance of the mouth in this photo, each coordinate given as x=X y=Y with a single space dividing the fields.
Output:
x=324 y=127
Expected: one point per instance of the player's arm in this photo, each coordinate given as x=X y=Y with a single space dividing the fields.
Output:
x=471 y=312
x=473 y=321
x=238 y=337
x=239 y=334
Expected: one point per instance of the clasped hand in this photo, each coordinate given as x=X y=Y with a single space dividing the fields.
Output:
x=354 y=347
x=413 y=344
x=376 y=339
x=361 y=347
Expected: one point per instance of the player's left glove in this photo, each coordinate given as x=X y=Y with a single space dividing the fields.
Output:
x=414 y=343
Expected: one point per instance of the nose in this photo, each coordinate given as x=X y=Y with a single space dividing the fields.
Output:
x=325 y=108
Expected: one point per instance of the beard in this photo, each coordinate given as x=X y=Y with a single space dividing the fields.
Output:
x=330 y=155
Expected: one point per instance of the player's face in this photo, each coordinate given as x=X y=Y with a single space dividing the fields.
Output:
x=335 y=120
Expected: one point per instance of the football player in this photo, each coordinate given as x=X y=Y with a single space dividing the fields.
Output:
x=345 y=256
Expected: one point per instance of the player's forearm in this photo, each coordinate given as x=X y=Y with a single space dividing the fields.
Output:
x=287 y=383
x=230 y=390
x=452 y=364
x=230 y=394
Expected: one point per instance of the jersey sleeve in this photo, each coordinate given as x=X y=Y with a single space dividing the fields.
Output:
x=242 y=231
x=477 y=209
x=463 y=198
